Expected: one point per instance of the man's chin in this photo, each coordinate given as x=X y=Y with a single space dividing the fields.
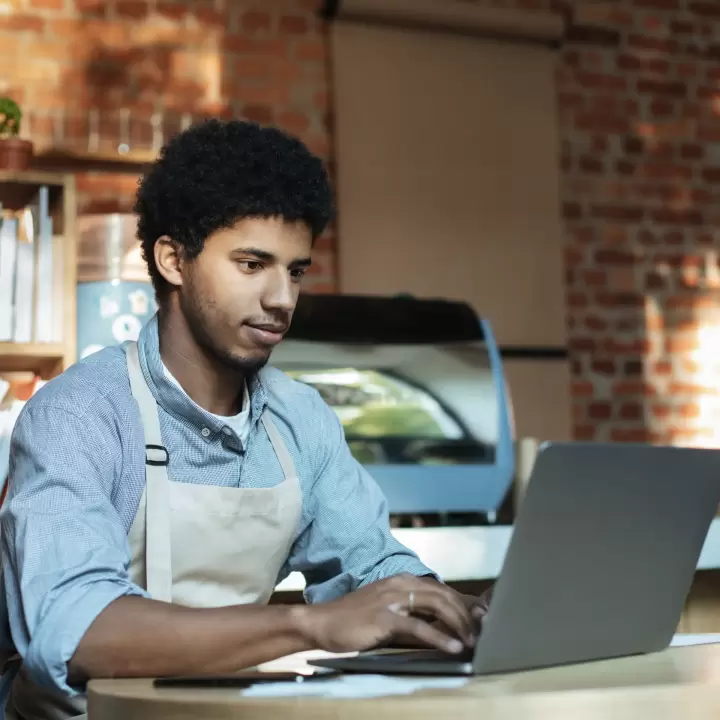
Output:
x=247 y=362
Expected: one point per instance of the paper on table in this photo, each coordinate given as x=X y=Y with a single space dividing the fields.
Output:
x=685 y=639
x=354 y=686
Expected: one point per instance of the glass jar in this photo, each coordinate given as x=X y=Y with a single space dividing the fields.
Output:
x=115 y=297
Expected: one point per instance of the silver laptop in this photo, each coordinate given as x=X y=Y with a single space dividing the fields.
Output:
x=600 y=563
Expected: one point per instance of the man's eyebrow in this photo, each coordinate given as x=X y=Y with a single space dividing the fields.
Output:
x=266 y=256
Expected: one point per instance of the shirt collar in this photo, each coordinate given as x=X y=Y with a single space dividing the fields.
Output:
x=179 y=405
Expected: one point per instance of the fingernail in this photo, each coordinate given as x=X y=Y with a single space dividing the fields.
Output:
x=455 y=646
x=478 y=612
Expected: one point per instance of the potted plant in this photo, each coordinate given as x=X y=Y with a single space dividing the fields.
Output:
x=15 y=153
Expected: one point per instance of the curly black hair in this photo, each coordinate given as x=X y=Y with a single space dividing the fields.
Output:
x=218 y=172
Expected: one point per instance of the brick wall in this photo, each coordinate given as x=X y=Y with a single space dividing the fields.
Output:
x=639 y=118
x=640 y=126
x=265 y=60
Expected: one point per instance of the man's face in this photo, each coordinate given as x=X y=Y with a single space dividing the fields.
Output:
x=238 y=295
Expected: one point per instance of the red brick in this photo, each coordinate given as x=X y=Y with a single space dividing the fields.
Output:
x=655 y=281
x=692 y=389
x=581 y=389
x=594 y=278
x=657 y=87
x=584 y=433
x=22 y=23
x=657 y=4
x=615 y=257
x=598 y=324
x=705 y=9
x=688 y=411
x=599 y=411
x=664 y=171
x=293 y=122
x=572 y=211
x=618 y=212
x=662 y=108
x=311 y=50
x=603 y=367
x=132 y=9
x=262 y=114
x=632 y=411
x=47 y=4
x=631 y=435
x=621 y=300
x=171 y=10
x=590 y=165
x=577 y=300
x=582 y=344
x=268 y=47
x=601 y=81
x=648 y=42
x=253 y=20
x=293 y=24
x=634 y=387
x=595 y=122
x=692 y=151
x=669 y=216
x=681 y=344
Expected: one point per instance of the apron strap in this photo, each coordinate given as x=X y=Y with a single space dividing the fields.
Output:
x=158 y=559
x=286 y=462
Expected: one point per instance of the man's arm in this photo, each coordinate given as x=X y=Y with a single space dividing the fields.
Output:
x=347 y=543
x=75 y=614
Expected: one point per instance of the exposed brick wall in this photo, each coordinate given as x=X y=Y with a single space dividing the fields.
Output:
x=639 y=112
x=638 y=98
x=264 y=60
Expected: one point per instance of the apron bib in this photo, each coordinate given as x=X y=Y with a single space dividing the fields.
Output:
x=195 y=545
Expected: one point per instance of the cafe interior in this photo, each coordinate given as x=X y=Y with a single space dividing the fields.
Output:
x=525 y=258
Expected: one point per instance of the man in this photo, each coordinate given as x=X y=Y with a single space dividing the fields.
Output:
x=160 y=490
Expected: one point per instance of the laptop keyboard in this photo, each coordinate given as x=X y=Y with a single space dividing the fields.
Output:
x=422 y=656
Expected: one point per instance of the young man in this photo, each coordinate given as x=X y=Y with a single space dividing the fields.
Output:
x=159 y=490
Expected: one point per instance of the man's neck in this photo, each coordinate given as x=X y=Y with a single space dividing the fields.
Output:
x=215 y=387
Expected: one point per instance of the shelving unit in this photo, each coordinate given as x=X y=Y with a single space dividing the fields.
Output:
x=16 y=190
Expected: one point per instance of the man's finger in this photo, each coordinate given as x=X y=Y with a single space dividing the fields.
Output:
x=426 y=634
x=429 y=601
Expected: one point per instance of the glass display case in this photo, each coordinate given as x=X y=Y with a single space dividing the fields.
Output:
x=419 y=389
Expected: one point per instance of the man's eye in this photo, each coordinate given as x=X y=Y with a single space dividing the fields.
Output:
x=298 y=273
x=250 y=265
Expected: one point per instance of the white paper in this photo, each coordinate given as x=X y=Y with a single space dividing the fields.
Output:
x=354 y=686
x=686 y=639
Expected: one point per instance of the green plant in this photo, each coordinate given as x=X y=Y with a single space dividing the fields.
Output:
x=10 y=117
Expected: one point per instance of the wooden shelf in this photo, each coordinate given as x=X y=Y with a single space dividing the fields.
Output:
x=59 y=157
x=43 y=359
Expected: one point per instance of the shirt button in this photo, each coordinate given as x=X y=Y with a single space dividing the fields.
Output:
x=205 y=432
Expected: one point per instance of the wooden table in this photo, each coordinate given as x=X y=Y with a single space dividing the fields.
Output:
x=679 y=683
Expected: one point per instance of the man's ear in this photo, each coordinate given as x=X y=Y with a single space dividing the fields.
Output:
x=169 y=258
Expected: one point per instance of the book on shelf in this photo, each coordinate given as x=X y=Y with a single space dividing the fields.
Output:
x=30 y=274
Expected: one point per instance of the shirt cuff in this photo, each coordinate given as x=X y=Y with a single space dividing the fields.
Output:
x=64 y=626
x=397 y=565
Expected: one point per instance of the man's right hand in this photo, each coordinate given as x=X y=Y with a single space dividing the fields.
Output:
x=400 y=606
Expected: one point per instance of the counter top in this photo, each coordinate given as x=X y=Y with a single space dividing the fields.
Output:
x=483 y=551
x=681 y=683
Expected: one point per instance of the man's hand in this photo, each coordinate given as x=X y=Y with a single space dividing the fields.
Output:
x=402 y=606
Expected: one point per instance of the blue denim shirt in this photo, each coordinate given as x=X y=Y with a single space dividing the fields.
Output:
x=77 y=474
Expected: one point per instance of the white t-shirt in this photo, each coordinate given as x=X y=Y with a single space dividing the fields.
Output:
x=240 y=423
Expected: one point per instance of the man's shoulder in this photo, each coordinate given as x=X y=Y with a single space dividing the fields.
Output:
x=99 y=377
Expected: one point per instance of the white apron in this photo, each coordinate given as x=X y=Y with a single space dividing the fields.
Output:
x=196 y=545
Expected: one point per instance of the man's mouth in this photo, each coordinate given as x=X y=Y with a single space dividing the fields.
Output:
x=267 y=333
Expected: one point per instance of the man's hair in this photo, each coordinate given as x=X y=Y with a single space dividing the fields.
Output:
x=216 y=173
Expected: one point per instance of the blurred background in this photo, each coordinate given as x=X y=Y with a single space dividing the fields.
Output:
x=552 y=166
